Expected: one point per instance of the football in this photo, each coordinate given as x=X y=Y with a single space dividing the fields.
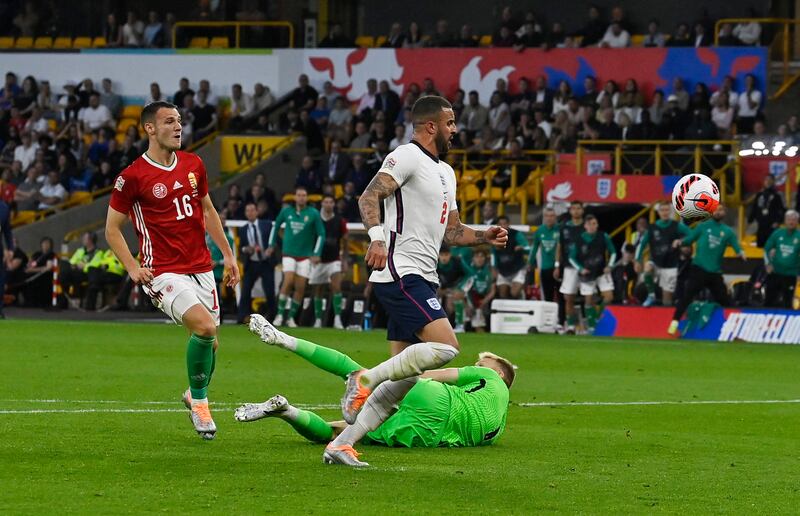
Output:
x=695 y=196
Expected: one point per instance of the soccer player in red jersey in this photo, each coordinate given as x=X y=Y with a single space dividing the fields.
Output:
x=165 y=193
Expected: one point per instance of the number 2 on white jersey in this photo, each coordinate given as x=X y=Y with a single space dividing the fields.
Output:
x=188 y=211
x=444 y=213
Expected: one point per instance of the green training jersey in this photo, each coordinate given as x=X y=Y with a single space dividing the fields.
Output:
x=712 y=239
x=478 y=408
x=590 y=251
x=479 y=279
x=546 y=239
x=569 y=234
x=786 y=247
x=659 y=237
x=304 y=234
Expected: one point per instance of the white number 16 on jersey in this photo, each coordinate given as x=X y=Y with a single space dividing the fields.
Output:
x=188 y=211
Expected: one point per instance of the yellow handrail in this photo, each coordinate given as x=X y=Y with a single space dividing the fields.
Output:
x=237 y=25
x=626 y=226
x=785 y=46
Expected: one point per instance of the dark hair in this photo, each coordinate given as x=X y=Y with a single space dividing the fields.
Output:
x=589 y=218
x=303 y=188
x=579 y=203
x=503 y=217
x=326 y=196
x=92 y=237
x=428 y=108
x=46 y=239
x=445 y=248
x=150 y=110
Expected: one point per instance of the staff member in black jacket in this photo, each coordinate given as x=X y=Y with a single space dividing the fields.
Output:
x=254 y=242
x=767 y=211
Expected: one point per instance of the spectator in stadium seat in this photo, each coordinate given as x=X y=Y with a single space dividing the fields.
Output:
x=726 y=37
x=315 y=142
x=608 y=129
x=442 y=37
x=646 y=129
x=347 y=206
x=726 y=88
x=615 y=37
x=25 y=100
x=25 y=153
x=362 y=137
x=529 y=37
x=673 y=120
x=69 y=103
x=336 y=38
x=304 y=96
x=241 y=105
x=504 y=39
x=27 y=19
x=153 y=36
x=400 y=137
x=103 y=177
x=610 y=90
x=749 y=106
x=39 y=287
x=499 y=115
x=749 y=33
x=309 y=177
x=594 y=29
x=155 y=94
x=133 y=31
x=366 y=103
x=112 y=31
x=722 y=115
x=654 y=37
x=557 y=37
x=681 y=38
x=590 y=93
x=766 y=210
x=336 y=165
x=680 y=93
x=657 y=107
x=95 y=116
x=414 y=37
x=205 y=86
x=466 y=39
x=561 y=97
x=360 y=175
x=205 y=117
x=474 y=116
x=387 y=101
x=47 y=101
x=489 y=214
x=320 y=113
x=111 y=100
x=52 y=192
x=542 y=97
x=396 y=37
x=183 y=90
x=701 y=39
x=36 y=124
x=262 y=99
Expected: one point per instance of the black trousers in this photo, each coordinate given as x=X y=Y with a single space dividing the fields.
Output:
x=72 y=277
x=698 y=280
x=99 y=278
x=548 y=284
x=253 y=270
x=780 y=290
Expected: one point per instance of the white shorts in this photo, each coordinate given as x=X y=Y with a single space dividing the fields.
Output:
x=604 y=283
x=569 y=283
x=519 y=277
x=174 y=294
x=321 y=273
x=667 y=278
x=300 y=267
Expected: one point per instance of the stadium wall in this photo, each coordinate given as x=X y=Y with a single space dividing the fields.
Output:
x=349 y=69
x=757 y=325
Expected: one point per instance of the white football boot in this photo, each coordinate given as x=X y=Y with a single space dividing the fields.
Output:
x=255 y=411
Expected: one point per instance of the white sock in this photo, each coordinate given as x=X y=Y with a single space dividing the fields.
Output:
x=412 y=361
x=290 y=414
x=200 y=401
x=290 y=344
x=381 y=404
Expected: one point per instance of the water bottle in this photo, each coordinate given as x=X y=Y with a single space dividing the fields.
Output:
x=367 y=320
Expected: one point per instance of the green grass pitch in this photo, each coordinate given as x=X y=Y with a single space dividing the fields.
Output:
x=114 y=438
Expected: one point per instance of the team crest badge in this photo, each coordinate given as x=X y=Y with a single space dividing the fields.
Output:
x=603 y=188
x=119 y=183
x=434 y=303
x=160 y=190
x=390 y=163
x=193 y=183
x=169 y=288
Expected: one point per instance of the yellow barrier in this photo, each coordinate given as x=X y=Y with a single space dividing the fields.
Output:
x=238 y=26
x=239 y=153
x=783 y=38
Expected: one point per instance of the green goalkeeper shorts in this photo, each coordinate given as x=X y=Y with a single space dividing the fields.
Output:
x=420 y=419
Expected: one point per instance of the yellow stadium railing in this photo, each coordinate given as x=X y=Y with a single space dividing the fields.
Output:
x=237 y=25
x=718 y=159
x=782 y=39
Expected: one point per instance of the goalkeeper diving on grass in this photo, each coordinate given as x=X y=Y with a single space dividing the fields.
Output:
x=465 y=406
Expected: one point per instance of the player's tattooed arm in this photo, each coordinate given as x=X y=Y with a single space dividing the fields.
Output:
x=369 y=204
x=458 y=233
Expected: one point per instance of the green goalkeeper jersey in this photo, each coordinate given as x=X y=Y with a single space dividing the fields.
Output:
x=304 y=234
x=478 y=408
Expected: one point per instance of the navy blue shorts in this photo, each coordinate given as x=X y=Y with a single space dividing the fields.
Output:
x=411 y=303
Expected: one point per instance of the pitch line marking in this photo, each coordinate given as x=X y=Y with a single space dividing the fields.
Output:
x=651 y=403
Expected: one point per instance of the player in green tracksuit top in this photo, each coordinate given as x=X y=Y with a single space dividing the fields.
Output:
x=454 y=407
x=593 y=256
x=303 y=239
x=664 y=257
x=546 y=239
x=782 y=258
x=478 y=288
x=712 y=236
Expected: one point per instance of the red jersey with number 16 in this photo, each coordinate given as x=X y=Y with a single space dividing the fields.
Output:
x=164 y=204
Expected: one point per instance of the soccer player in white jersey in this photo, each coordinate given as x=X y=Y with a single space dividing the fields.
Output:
x=419 y=195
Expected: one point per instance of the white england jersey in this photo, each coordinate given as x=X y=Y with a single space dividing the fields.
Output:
x=415 y=216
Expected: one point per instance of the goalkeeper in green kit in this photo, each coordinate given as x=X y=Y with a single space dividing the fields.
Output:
x=464 y=406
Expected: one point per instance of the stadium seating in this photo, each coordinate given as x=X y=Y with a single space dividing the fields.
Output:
x=23 y=43
x=82 y=42
x=485 y=41
x=219 y=42
x=99 y=42
x=61 y=43
x=198 y=42
x=132 y=111
x=124 y=123
x=43 y=43
x=365 y=41
x=379 y=41
x=6 y=42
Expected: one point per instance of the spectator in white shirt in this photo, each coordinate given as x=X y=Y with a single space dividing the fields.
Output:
x=96 y=115
x=722 y=115
x=25 y=153
x=726 y=88
x=52 y=192
x=133 y=31
x=367 y=100
x=110 y=99
x=654 y=37
x=155 y=94
x=262 y=99
x=329 y=92
x=562 y=96
x=241 y=103
x=748 y=33
x=616 y=37
x=399 y=137
x=36 y=124
x=499 y=115
x=749 y=105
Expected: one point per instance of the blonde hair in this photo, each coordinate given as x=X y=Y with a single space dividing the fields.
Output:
x=509 y=369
